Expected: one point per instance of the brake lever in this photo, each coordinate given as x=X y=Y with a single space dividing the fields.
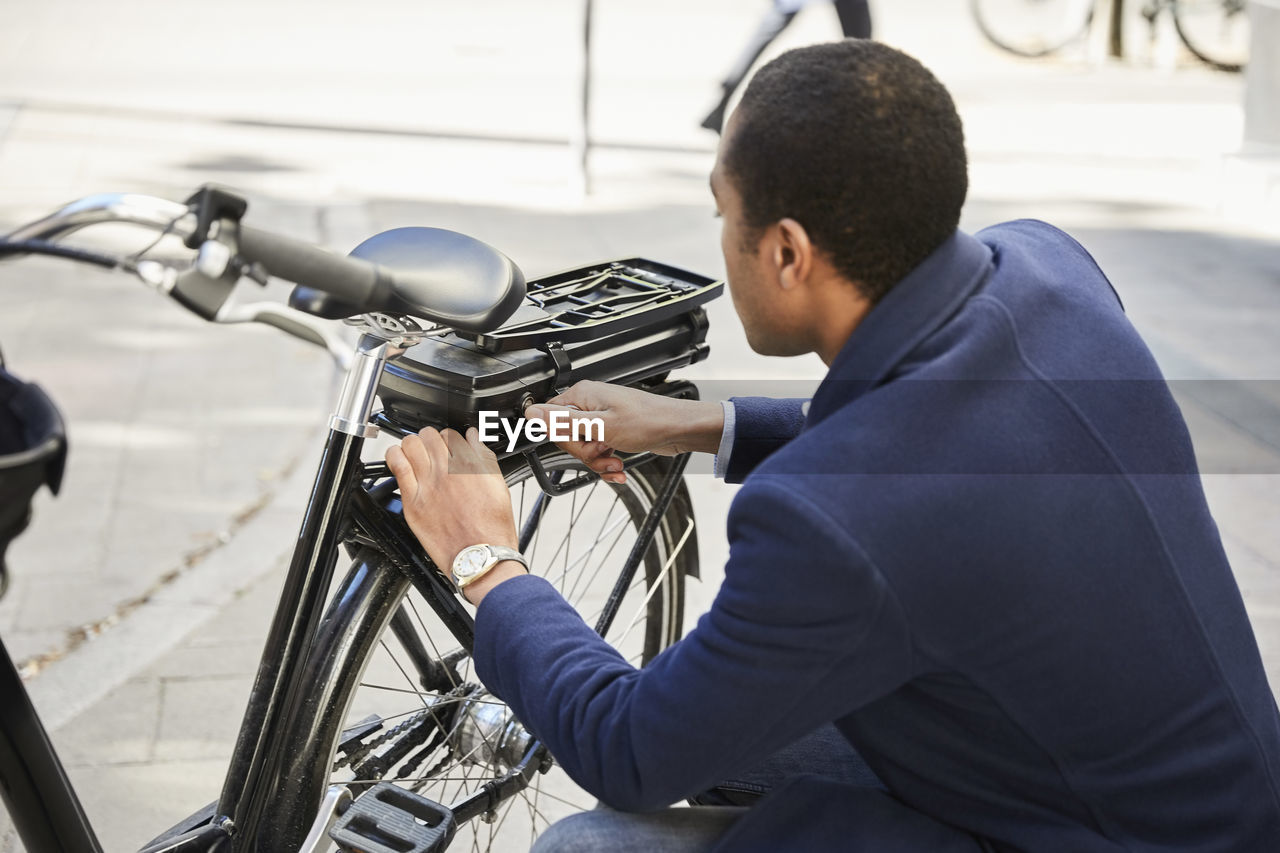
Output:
x=301 y=325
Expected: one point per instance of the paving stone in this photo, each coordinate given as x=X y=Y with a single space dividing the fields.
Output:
x=122 y=728
x=51 y=603
x=200 y=715
x=129 y=805
x=198 y=660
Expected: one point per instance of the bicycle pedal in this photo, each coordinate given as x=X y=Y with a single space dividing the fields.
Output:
x=390 y=819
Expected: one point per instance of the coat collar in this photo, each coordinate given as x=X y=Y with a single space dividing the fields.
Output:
x=912 y=310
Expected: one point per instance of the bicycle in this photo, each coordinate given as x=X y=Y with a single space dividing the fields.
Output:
x=365 y=677
x=1215 y=31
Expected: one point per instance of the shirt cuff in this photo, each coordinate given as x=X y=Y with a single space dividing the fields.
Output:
x=726 y=441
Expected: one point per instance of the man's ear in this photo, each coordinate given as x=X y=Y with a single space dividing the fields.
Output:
x=792 y=253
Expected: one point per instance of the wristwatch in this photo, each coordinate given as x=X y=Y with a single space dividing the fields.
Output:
x=475 y=561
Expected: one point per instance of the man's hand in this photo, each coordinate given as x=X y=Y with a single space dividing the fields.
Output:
x=454 y=496
x=634 y=421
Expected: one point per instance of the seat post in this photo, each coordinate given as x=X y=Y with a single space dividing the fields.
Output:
x=360 y=387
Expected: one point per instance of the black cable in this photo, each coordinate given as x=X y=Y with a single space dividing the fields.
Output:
x=48 y=247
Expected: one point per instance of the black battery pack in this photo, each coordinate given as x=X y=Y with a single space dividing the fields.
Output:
x=629 y=322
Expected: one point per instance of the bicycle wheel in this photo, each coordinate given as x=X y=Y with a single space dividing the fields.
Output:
x=1216 y=31
x=396 y=699
x=1032 y=28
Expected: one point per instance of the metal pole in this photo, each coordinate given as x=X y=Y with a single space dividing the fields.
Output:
x=1251 y=178
x=1262 y=79
x=580 y=140
x=1115 y=29
x=1103 y=30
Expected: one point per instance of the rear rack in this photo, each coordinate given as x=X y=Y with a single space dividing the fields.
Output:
x=589 y=302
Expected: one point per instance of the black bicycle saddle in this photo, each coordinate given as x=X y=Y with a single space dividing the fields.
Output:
x=438 y=275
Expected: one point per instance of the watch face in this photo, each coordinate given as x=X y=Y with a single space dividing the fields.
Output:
x=471 y=561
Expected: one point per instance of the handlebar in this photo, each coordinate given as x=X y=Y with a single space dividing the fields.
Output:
x=345 y=278
x=349 y=279
x=432 y=274
x=164 y=216
x=157 y=213
x=440 y=276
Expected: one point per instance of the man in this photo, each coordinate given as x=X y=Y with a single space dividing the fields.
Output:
x=981 y=550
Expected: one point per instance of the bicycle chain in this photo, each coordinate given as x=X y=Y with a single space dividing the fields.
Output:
x=412 y=763
x=358 y=758
x=365 y=748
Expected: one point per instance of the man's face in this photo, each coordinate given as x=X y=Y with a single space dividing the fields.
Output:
x=745 y=269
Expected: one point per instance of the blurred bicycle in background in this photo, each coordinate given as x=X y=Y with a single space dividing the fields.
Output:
x=1215 y=31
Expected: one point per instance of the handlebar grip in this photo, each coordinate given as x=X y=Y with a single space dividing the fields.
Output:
x=350 y=279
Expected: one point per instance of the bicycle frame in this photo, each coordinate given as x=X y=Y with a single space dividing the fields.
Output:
x=278 y=689
x=44 y=804
x=340 y=509
x=29 y=765
x=41 y=801
x=280 y=686
x=337 y=499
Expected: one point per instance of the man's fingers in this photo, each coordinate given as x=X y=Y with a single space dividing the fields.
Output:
x=599 y=456
x=416 y=452
x=584 y=429
x=481 y=449
x=542 y=412
x=596 y=455
x=402 y=471
x=457 y=445
x=580 y=395
x=433 y=445
x=603 y=463
x=594 y=452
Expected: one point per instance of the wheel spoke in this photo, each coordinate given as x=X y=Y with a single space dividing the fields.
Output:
x=619 y=525
x=559 y=799
x=635 y=586
x=595 y=542
x=442 y=703
x=574 y=515
x=656 y=585
x=435 y=650
x=605 y=559
x=541 y=509
x=417 y=692
x=449 y=743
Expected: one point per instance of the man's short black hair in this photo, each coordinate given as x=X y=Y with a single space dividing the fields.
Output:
x=861 y=145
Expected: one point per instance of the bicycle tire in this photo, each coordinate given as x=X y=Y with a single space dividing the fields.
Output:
x=1230 y=50
x=1022 y=27
x=358 y=634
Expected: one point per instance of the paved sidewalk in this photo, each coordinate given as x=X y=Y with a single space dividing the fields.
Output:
x=192 y=444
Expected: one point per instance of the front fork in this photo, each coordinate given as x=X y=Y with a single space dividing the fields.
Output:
x=279 y=690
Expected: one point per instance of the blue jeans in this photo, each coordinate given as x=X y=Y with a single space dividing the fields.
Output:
x=825 y=752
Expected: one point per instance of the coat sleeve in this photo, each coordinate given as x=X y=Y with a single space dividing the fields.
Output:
x=803 y=631
x=761 y=426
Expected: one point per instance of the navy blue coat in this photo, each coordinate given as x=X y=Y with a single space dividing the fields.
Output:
x=986 y=555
